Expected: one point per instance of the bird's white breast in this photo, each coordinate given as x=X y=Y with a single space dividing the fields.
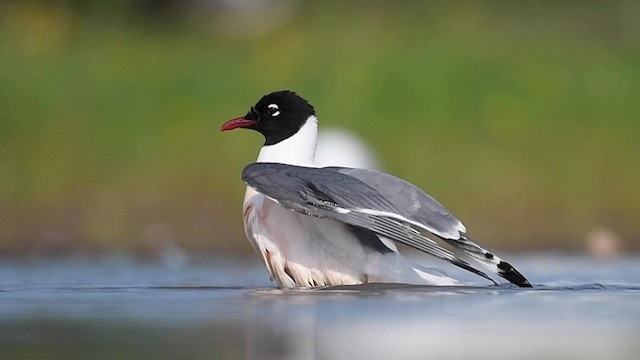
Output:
x=299 y=250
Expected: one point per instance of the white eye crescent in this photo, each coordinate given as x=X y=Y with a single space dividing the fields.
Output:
x=274 y=107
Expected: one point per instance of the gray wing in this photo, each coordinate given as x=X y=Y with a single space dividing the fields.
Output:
x=411 y=202
x=376 y=201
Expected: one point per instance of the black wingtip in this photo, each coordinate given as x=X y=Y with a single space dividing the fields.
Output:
x=510 y=273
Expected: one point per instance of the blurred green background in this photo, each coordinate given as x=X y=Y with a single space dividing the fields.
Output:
x=521 y=117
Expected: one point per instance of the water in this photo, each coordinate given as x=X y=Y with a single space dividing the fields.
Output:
x=120 y=308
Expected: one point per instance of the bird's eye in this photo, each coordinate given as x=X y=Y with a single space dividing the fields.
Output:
x=273 y=110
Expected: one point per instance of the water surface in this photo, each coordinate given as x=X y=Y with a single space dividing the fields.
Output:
x=214 y=307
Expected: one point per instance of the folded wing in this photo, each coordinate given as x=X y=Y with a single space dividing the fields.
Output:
x=376 y=201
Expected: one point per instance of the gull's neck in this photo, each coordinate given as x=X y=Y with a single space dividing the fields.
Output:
x=299 y=149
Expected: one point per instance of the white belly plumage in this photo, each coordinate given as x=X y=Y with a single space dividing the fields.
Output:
x=303 y=251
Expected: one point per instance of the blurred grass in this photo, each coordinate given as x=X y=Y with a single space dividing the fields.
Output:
x=522 y=119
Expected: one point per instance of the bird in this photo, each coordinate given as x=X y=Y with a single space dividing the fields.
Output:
x=330 y=226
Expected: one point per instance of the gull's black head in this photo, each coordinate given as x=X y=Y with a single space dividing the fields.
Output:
x=277 y=116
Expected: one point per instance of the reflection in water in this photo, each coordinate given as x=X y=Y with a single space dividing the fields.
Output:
x=276 y=330
x=590 y=322
x=115 y=309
